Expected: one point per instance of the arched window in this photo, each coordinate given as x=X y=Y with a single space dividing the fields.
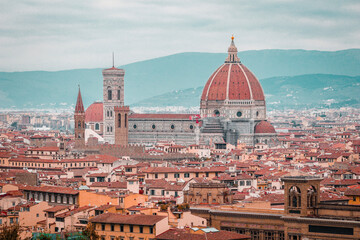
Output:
x=110 y=129
x=79 y=124
x=110 y=113
x=294 y=197
x=109 y=94
x=118 y=94
x=97 y=126
x=119 y=120
x=311 y=197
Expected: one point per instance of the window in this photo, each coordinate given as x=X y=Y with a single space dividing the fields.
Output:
x=162 y=192
x=119 y=120
x=176 y=175
x=166 y=175
x=248 y=183
x=112 y=227
x=172 y=126
x=102 y=227
x=269 y=235
x=207 y=174
x=118 y=94
x=153 y=126
x=37 y=215
x=109 y=95
x=239 y=114
x=191 y=127
x=176 y=194
x=79 y=124
x=196 y=174
x=217 y=113
x=125 y=121
x=92 y=179
x=121 y=228
x=156 y=175
x=141 y=229
x=186 y=175
x=152 y=192
x=131 y=228
x=151 y=230
x=242 y=183
x=134 y=126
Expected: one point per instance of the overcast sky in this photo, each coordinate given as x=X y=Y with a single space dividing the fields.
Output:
x=56 y=35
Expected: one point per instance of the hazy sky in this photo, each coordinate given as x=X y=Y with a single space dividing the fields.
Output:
x=55 y=35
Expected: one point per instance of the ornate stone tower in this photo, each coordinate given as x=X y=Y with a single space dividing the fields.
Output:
x=121 y=125
x=302 y=195
x=79 y=120
x=113 y=94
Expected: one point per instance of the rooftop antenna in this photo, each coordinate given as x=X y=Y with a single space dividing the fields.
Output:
x=113 y=59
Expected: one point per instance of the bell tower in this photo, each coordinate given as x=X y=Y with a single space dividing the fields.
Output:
x=79 y=120
x=113 y=96
x=302 y=194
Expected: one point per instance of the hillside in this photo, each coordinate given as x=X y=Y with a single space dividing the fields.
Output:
x=41 y=89
x=304 y=91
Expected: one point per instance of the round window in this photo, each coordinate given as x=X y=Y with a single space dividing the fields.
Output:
x=216 y=113
x=191 y=127
x=239 y=114
x=172 y=126
x=153 y=126
x=134 y=126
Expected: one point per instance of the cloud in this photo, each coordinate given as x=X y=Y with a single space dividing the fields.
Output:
x=52 y=35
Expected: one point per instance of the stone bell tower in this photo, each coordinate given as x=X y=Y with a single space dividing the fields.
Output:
x=79 y=120
x=302 y=194
x=113 y=96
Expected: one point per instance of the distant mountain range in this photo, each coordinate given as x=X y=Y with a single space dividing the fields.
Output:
x=148 y=82
x=304 y=91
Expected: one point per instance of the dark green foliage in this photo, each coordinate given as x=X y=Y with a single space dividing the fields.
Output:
x=11 y=232
x=90 y=232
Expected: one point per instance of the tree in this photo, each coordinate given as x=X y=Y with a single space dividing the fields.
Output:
x=43 y=237
x=90 y=232
x=11 y=232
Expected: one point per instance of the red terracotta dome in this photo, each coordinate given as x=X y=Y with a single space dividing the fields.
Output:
x=264 y=127
x=232 y=81
x=94 y=113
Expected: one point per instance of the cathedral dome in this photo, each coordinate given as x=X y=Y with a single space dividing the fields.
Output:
x=232 y=81
x=94 y=113
x=264 y=127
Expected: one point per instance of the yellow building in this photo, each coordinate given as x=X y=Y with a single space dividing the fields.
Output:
x=110 y=226
x=353 y=192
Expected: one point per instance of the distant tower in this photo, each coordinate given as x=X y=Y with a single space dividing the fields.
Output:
x=79 y=120
x=113 y=93
x=121 y=125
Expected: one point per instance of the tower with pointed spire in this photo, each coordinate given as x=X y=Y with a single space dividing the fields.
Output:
x=79 y=120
